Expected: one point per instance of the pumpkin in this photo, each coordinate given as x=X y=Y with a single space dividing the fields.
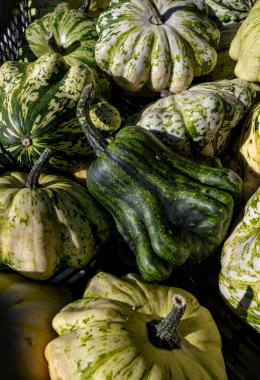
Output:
x=27 y=309
x=249 y=151
x=226 y=11
x=38 y=8
x=128 y=329
x=150 y=45
x=239 y=279
x=38 y=111
x=72 y=34
x=168 y=208
x=245 y=47
x=199 y=119
x=47 y=221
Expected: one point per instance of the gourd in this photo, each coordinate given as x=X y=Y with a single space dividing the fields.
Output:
x=38 y=111
x=27 y=310
x=249 y=151
x=245 y=47
x=148 y=46
x=72 y=34
x=169 y=209
x=226 y=11
x=38 y=8
x=201 y=118
x=239 y=279
x=48 y=221
x=128 y=329
x=97 y=6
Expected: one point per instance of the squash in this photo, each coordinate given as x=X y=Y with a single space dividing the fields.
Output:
x=97 y=6
x=150 y=45
x=27 y=309
x=226 y=11
x=245 y=47
x=169 y=209
x=239 y=279
x=201 y=118
x=38 y=8
x=73 y=35
x=38 y=111
x=48 y=221
x=127 y=329
x=249 y=151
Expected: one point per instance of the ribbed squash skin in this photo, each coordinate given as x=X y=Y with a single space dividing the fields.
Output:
x=226 y=11
x=144 y=56
x=169 y=209
x=104 y=335
x=245 y=47
x=239 y=279
x=199 y=119
x=57 y=223
x=27 y=310
x=38 y=111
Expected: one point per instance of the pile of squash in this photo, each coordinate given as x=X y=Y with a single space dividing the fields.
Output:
x=178 y=179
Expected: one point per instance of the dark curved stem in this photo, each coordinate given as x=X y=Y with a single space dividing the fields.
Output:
x=85 y=6
x=166 y=328
x=33 y=177
x=52 y=43
x=156 y=18
x=94 y=137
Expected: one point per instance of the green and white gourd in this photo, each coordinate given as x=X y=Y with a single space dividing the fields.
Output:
x=47 y=221
x=226 y=11
x=148 y=46
x=199 y=120
x=239 y=279
x=38 y=111
x=38 y=8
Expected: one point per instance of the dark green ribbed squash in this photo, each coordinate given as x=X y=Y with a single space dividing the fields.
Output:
x=169 y=209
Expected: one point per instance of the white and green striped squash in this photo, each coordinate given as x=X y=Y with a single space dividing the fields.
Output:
x=38 y=111
x=245 y=47
x=48 y=222
x=111 y=334
x=226 y=11
x=71 y=34
x=239 y=279
x=148 y=46
x=249 y=151
x=201 y=118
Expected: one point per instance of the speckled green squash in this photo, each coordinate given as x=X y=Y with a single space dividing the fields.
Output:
x=199 y=119
x=38 y=111
x=105 y=335
x=169 y=209
x=226 y=11
x=239 y=279
x=249 y=151
x=74 y=37
x=144 y=51
x=245 y=47
x=57 y=223
x=27 y=309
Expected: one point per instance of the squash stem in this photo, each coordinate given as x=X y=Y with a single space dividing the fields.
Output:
x=52 y=43
x=156 y=18
x=94 y=137
x=166 y=328
x=33 y=177
x=85 y=6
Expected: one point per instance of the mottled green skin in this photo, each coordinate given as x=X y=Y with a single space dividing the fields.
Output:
x=245 y=47
x=168 y=208
x=40 y=229
x=201 y=118
x=227 y=11
x=104 y=335
x=76 y=34
x=239 y=279
x=142 y=55
x=38 y=100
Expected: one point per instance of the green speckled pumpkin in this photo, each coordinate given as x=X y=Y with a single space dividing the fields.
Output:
x=27 y=309
x=245 y=47
x=156 y=45
x=48 y=222
x=111 y=334
x=199 y=119
x=239 y=279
